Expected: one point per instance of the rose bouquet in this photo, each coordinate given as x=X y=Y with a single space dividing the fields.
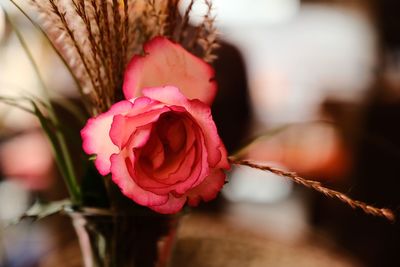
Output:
x=145 y=80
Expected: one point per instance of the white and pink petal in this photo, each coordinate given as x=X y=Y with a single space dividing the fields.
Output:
x=122 y=177
x=208 y=189
x=201 y=114
x=123 y=126
x=172 y=206
x=167 y=63
x=95 y=136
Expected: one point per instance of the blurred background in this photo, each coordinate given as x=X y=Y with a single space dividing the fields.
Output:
x=317 y=80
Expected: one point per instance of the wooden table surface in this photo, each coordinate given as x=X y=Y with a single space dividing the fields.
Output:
x=207 y=240
x=210 y=239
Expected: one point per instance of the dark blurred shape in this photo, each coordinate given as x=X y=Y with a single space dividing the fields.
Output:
x=231 y=110
x=388 y=22
x=376 y=167
x=375 y=178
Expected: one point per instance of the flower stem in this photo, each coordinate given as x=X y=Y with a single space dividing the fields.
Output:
x=71 y=180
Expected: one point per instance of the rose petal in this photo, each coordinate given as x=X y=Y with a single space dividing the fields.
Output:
x=179 y=172
x=208 y=189
x=95 y=136
x=167 y=63
x=199 y=171
x=173 y=205
x=182 y=171
x=143 y=104
x=217 y=155
x=122 y=177
x=154 y=151
x=170 y=136
x=123 y=126
x=175 y=134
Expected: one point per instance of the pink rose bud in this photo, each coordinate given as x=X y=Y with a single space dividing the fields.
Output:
x=161 y=148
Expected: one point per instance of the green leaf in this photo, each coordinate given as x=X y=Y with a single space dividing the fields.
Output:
x=61 y=160
x=50 y=123
x=73 y=109
x=40 y=210
x=14 y=102
x=56 y=139
x=48 y=129
x=92 y=157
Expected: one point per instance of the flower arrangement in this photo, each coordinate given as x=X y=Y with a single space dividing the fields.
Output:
x=145 y=80
x=161 y=146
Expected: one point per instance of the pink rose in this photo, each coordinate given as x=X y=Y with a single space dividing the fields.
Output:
x=161 y=146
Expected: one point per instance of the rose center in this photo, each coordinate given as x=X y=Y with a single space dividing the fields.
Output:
x=166 y=146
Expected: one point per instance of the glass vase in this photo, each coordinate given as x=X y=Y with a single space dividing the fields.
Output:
x=124 y=240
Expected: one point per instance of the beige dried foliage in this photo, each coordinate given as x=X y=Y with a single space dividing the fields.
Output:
x=97 y=38
x=207 y=36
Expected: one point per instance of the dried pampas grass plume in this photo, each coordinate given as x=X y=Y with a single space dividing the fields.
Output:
x=97 y=38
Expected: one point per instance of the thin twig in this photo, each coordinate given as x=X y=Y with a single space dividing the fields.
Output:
x=317 y=186
x=12 y=103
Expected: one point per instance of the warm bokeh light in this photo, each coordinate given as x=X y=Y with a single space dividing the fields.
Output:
x=28 y=160
x=239 y=13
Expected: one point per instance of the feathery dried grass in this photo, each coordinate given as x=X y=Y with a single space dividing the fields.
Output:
x=202 y=40
x=208 y=35
x=97 y=38
x=317 y=186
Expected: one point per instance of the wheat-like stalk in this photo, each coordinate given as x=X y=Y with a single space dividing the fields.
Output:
x=67 y=35
x=202 y=40
x=208 y=35
x=185 y=22
x=172 y=18
x=97 y=38
x=317 y=186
